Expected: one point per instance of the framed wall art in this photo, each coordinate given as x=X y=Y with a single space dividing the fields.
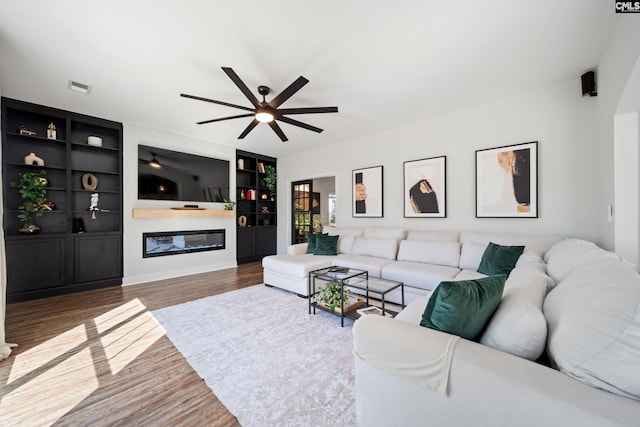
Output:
x=425 y=188
x=507 y=181
x=367 y=192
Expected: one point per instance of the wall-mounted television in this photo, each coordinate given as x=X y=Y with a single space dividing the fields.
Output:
x=172 y=175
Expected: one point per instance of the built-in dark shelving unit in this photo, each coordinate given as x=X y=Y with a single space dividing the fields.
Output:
x=258 y=237
x=62 y=258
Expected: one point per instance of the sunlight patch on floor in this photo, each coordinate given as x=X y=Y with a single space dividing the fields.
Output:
x=54 y=392
x=38 y=356
x=125 y=343
x=118 y=315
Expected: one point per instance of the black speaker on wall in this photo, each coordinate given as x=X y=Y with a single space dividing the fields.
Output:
x=589 y=84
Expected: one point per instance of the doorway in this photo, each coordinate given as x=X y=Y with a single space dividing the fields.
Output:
x=313 y=205
x=301 y=210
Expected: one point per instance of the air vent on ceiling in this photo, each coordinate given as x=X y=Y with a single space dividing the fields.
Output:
x=79 y=87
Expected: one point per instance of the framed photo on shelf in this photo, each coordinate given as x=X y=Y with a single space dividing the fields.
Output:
x=425 y=193
x=507 y=181
x=367 y=192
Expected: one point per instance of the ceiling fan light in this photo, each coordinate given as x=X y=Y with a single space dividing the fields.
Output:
x=154 y=163
x=264 y=117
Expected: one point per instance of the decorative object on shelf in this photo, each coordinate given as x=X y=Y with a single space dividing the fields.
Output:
x=270 y=180
x=264 y=210
x=242 y=196
x=94 y=141
x=78 y=225
x=425 y=188
x=264 y=196
x=240 y=163
x=367 y=192
x=261 y=167
x=242 y=221
x=51 y=131
x=93 y=205
x=33 y=160
x=50 y=206
x=228 y=205
x=34 y=198
x=89 y=182
x=23 y=130
x=507 y=181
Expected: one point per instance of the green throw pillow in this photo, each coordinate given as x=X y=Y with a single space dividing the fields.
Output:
x=499 y=259
x=464 y=307
x=326 y=245
x=311 y=242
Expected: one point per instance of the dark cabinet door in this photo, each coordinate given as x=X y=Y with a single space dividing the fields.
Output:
x=267 y=241
x=247 y=244
x=35 y=263
x=97 y=258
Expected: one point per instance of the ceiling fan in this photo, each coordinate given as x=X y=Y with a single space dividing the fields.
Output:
x=266 y=112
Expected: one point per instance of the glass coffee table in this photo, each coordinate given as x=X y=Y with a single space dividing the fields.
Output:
x=360 y=288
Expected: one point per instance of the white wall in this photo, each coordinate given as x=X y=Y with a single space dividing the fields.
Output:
x=138 y=269
x=626 y=186
x=615 y=68
x=558 y=117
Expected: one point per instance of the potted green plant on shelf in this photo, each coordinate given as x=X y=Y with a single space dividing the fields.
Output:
x=270 y=180
x=228 y=205
x=34 y=200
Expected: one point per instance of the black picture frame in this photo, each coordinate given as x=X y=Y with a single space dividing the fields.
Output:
x=425 y=188
x=507 y=181
x=367 y=192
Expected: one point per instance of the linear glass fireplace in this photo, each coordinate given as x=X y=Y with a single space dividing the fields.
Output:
x=181 y=242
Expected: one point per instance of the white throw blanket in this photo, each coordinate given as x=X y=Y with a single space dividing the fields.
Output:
x=377 y=344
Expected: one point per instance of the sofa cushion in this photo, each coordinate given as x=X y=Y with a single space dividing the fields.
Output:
x=362 y=262
x=569 y=254
x=430 y=252
x=384 y=233
x=463 y=308
x=343 y=231
x=518 y=326
x=379 y=248
x=471 y=255
x=345 y=244
x=295 y=265
x=412 y=313
x=593 y=317
x=498 y=259
x=440 y=236
x=532 y=242
x=418 y=275
x=326 y=245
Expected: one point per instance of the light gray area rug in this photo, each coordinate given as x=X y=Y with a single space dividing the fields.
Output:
x=267 y=360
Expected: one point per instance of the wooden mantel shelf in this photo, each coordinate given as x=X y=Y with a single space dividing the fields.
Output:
x=180 y=213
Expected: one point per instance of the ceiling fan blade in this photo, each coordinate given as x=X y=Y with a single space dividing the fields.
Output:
x=299 y=124
x=290 y=90
x=278 y=131
x=310 y=110
x=243 y=87
x=224 y=118
x=249 y=128
x=226 y=104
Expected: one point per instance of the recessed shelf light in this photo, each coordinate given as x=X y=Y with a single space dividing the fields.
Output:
x=79 y=87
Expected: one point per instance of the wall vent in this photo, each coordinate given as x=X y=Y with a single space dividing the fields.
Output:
x=79 y=87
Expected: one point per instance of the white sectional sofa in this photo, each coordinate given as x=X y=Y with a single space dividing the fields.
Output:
x=581 y=308
x=419 y=259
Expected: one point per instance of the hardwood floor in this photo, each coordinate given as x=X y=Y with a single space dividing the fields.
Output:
x=99 y=358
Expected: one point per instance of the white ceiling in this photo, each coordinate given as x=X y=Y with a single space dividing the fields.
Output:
x=383 y=63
